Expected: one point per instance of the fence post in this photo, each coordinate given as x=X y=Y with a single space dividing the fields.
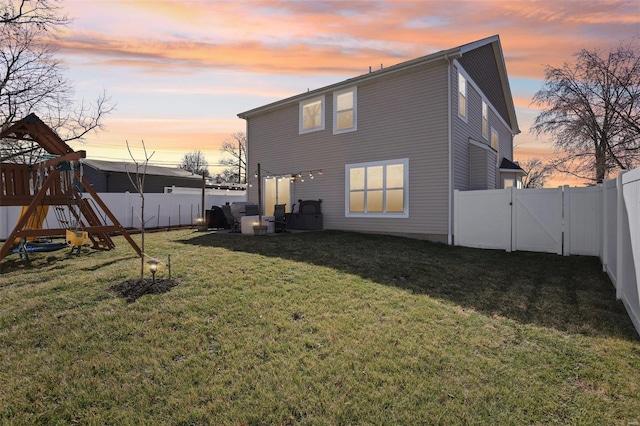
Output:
x=619 y=240
x=456 y=218
x=600 y=217
x=565 y=250
x=604 y=240
x=127 y=207
x=509 y=244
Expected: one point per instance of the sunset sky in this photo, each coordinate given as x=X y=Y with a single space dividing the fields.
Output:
x=180 y=71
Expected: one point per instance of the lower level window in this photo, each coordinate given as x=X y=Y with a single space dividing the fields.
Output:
x=377 y=188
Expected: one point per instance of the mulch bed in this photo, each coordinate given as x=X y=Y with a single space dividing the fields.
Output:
x=131 y=290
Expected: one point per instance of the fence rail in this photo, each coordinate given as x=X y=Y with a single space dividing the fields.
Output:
x=161 y=210
x=602 y=221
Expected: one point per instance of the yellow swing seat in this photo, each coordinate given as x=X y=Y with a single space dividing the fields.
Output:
x=77 y=238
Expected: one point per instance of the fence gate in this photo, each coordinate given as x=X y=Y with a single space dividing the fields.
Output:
x=537 y=220
x=483 y=219
x=552 y=220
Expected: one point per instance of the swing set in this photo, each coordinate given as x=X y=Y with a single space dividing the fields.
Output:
x=55 y=182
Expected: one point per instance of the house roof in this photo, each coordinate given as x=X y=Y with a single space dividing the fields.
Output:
x=127 y=167
x=424 y=61
x=510 y=166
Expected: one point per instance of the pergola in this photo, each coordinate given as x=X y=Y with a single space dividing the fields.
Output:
x=51 y=183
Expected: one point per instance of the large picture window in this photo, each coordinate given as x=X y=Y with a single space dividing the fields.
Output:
x=312 y=115
x=344 y=110
x=377 y=189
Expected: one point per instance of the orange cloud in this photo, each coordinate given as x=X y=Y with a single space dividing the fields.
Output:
x=258 y=40
x=276 y=37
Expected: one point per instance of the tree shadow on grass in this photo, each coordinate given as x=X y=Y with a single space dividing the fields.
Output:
x=570 y=294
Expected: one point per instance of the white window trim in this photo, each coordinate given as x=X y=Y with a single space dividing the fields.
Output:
x=337 y=131
x=466 y=96
x=301 y=105
x=405 y=214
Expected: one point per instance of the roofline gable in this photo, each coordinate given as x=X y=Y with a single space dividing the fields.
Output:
x=431 y=59
x=506 y=87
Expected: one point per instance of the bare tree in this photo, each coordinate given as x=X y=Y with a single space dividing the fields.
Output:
x=32 y=79
x=537 y=173
x=46 y=14
x=196 y=163
x=236 y=147
x=137 y=179
x=591 y=110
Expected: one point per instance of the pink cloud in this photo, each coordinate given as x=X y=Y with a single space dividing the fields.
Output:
x=345 y=38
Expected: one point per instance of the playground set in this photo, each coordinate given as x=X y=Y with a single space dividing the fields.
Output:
x=53 y=183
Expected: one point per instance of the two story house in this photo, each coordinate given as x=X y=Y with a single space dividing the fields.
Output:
x=385 y=150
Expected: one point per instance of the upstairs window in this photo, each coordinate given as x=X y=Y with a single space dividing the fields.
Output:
x=377 y=189
x=495 y=139
x=485 y=120
x=312 y=115
x=344 y=111
x=462 y=97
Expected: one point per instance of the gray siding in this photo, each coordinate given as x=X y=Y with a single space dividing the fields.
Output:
x=481 y=66
x=400 y=116
x=478 y=177
x=472 y=128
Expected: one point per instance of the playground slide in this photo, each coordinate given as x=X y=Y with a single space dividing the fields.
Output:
x=35 y=221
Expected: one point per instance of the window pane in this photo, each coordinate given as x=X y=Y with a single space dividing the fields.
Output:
x=462 y=95
x=270 y=195
x=356 y=178
x=395 y=176
x=374 y=201
x=374 y=177
x=485 y=120
x=345 y=101
x=494 y=139
x=395 y=201
x=345 y=120
x=356 y=202
x=311 y=115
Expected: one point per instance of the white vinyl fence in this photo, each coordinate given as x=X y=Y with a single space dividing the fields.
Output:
x=602 y=220
x=160 y=210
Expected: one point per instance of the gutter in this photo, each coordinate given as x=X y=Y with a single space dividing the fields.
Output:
x=450 y=153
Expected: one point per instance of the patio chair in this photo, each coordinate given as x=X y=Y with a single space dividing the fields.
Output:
x=280 y=218
x=251 y=210
x=230 y=218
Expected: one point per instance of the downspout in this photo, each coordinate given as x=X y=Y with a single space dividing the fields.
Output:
x=450 y=153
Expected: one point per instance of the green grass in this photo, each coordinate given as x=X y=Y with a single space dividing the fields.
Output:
x=316 y=328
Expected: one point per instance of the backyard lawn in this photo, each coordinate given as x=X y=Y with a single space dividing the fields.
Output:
x=315 y=328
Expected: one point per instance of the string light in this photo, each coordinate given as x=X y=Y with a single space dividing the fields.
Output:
x=293 y=177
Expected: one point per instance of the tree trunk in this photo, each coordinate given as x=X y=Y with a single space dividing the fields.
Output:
x=601 y=161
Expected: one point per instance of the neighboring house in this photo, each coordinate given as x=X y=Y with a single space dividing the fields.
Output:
x=392 y=144
x=113 y=176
